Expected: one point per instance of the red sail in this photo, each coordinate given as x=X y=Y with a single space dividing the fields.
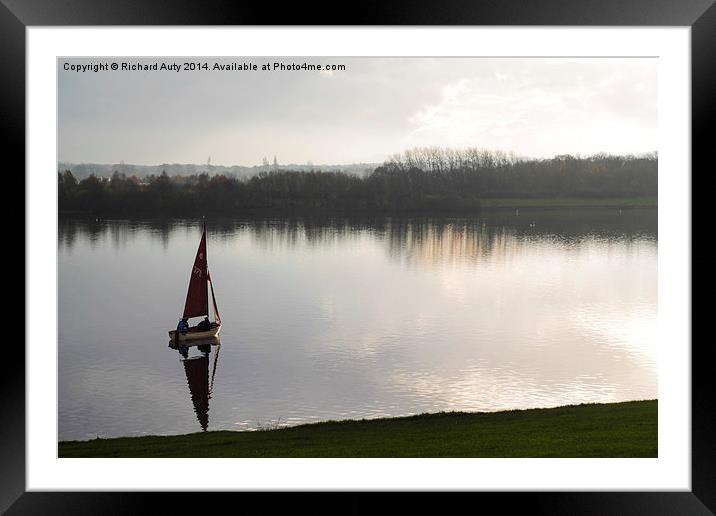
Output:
x=197 y=298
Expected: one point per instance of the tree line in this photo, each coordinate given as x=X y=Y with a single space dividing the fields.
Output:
x=423 y=179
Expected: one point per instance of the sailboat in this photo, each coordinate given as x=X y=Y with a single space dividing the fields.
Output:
x=197 y=300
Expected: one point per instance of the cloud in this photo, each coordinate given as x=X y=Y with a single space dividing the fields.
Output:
x=567 y=108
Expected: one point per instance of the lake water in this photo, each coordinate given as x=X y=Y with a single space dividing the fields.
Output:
x=355 y=318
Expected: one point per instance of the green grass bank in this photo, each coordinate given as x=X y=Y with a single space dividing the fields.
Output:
x=626 y=429
x=570 y=202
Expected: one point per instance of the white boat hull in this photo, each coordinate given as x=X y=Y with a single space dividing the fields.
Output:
x=193 y=334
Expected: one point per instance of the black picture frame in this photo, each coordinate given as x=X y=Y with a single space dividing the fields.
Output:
x=699 y=15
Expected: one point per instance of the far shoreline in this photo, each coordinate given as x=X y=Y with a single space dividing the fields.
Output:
x=464 y=209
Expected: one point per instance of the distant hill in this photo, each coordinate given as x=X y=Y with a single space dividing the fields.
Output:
x=83 y=170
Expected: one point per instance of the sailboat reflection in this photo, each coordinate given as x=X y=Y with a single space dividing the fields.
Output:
x=196 y=368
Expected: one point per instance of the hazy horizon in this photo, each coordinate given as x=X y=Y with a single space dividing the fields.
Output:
x=317 y=164
x=376 y=107
x=225 y=165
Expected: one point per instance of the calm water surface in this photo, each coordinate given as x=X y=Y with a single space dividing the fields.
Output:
x=343 y=318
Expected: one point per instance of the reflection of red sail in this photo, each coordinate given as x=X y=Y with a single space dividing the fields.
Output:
x=197 y=376
x=197 y=298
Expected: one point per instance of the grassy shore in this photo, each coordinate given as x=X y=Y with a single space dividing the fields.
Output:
x=428 y=207
x=571 y=202
x=595 y=430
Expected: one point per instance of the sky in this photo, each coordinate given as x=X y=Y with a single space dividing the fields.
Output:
x=375 y=107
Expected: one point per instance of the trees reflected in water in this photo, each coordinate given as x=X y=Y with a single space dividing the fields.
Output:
x=414 y=239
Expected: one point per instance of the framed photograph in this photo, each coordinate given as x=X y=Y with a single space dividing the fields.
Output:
x=431 y=249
